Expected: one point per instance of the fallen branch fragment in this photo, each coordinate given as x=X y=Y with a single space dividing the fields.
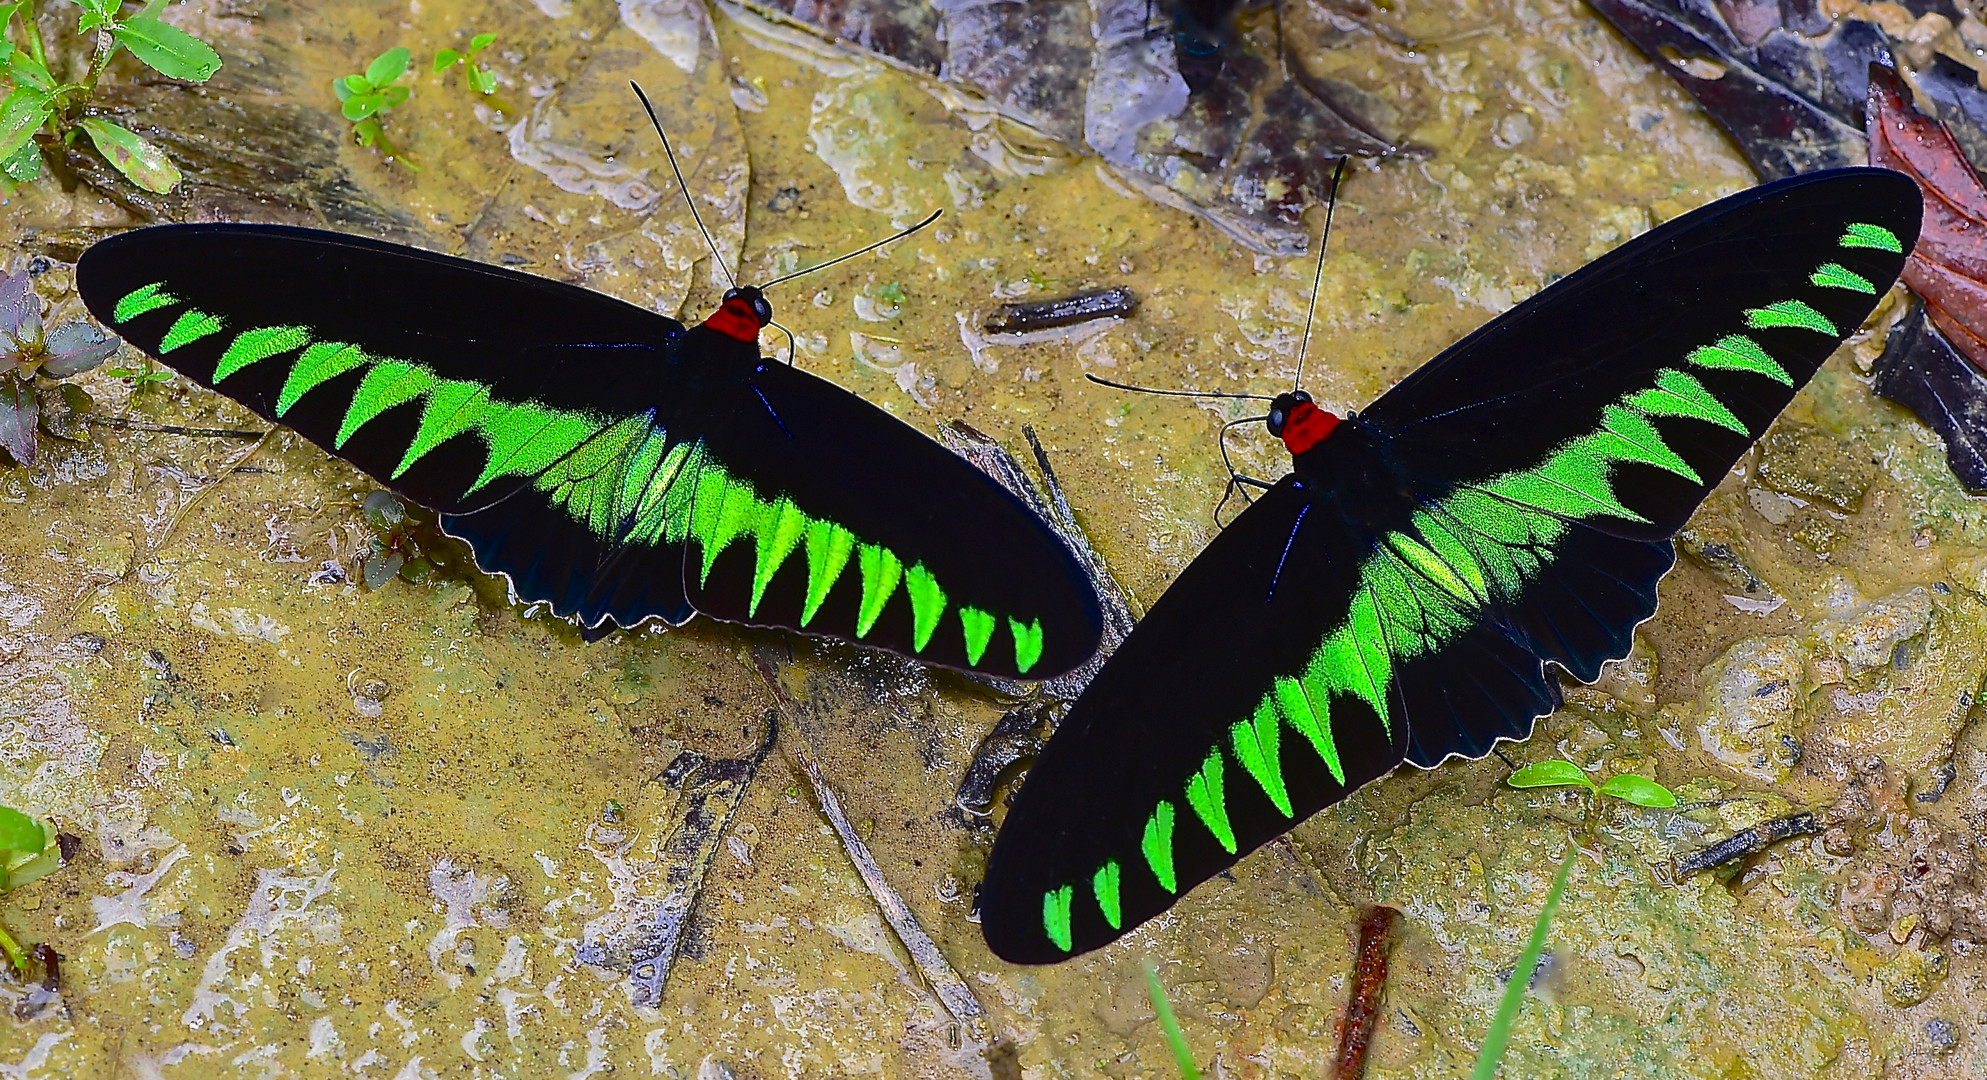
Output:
x=951 y=990
x=1369 y=981
x=1116 y=302
x=175 y=429
x=1747 y=842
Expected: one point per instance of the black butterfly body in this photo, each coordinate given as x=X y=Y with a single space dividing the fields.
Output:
x=610 y=461
x=1399 y=595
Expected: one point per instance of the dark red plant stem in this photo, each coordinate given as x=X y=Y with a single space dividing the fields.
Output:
x=1369 y=981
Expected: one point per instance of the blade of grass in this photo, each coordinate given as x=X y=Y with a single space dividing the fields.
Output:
x=1521 y=979
x=1182 y=1056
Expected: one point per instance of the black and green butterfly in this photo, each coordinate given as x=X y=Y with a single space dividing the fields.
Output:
x=1399 y=596
x=609 y=461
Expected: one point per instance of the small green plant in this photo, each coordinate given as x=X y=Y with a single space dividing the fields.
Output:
x=1499 y=1034
x=144 y=376
x=480 y=78
x=367 y=97
x=1175 y=1039
x=28 y=852
x=43 y=112
x=892 y=294
x=1627 y=787
x=32 y=359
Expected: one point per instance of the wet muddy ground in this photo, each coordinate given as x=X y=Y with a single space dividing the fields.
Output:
x=416 y=831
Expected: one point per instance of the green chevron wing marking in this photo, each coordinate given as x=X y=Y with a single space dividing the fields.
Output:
x=828 y=549
x=1027 y=643
x=1307 y=706
x=880 y=573
x=1789 y=313
x=779 y=530
x=927 y=604
x=453 y=407
x=1838 y=276
x=1157 y=846
x=1627 y=435
x=1735 y=352
x=526 y=440
x=979 y=628
x=141 y=300
x=1862 y=235
x=1677 y=393
x=190 y=327
x=319 y=364
x=1105 y=885
x=1204 y=794
x=252 y=345
x=1055 y=915
x=1256 y=747
x=387 y=383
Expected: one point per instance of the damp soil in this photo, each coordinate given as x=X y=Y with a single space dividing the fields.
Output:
x=404 y=832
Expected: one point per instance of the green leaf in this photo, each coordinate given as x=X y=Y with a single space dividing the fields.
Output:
x=1499 y=1034
x=21 y=115
x=348 y=85
x=140 y=162
x=480 y=42
x=97 y=13
x=6 y=50
x=363 y=105
x=1639 y=790
x=1183 y=1056
x=446 y=59
x=1555 y=773
x=25 y=165
x=368 y=132
x=388 y=66
x=19 y=832
x=482 y=80
x=34 y=868
x=167 y=49
x=28 y=71
x=392 y=96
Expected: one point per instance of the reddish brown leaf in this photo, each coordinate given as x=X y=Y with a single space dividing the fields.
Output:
x=1949 y=266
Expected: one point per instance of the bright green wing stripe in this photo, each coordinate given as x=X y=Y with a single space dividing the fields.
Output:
x=662 y=497
x=1027 y=643
x=1735 y=352
x=389 y=383
x=778 y=528
x=1862 y=235
x=979 y=628
x=1432 y=566
x=1105 y=885
x=1572 y=483
x=527 y=439
x=1204 y=794
x=880 y=573
x=320 y=363
x=1307 y=706
x=252 y=345
x=1157 y=846
x=1838 y=276
x=828 y=549
x=1677 y=393
x=1055 y=915
x=141 y=300
x=453 y=407
x=1628 y=435
x=190 y=327
x=1256 y=747
x=1792 y=313
x=927 y=604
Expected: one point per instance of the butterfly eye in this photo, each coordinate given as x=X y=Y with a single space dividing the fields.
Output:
x=1276 y=420
x=762 y=309
x=732 y=294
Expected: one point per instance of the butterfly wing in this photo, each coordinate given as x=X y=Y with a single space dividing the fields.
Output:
x=1507 y=505
x=855 y=525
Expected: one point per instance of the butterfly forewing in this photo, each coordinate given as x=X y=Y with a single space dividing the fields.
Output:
x=582 y=445
x=1508 y=505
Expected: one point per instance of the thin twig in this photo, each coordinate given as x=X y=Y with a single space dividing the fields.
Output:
x=945 y=983
x=174 y=429
x=1369 y=981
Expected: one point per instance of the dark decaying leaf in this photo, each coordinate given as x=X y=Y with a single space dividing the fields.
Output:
x=1921 y=371
x=65 y=411
x=1948 y=268
x=1793 y=103
x=19 y=411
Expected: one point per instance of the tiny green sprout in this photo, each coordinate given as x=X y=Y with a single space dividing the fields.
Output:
x=1627 y=787
x=28 y=851
x=365 y=98
x=480 y=78
x=144 y=376
x=1183 y=1056
x=892 y=293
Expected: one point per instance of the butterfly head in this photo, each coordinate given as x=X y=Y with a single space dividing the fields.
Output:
x=742 y=313
x=1299 y=423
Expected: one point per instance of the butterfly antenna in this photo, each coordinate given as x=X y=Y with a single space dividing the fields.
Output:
x=1318 y=277
x=790 y=341
x=853 y=254
x=678 y=170
x=1176 y=393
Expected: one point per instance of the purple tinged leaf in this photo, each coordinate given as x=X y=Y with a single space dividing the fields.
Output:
x=76 y=347
x=65 y=411
x=20 y=410
x=17 y=301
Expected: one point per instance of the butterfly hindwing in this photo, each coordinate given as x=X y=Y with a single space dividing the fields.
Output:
x=945 y=566
x=1507 y=506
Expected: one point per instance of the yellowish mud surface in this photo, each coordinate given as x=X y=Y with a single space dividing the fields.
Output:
x=335 y=831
